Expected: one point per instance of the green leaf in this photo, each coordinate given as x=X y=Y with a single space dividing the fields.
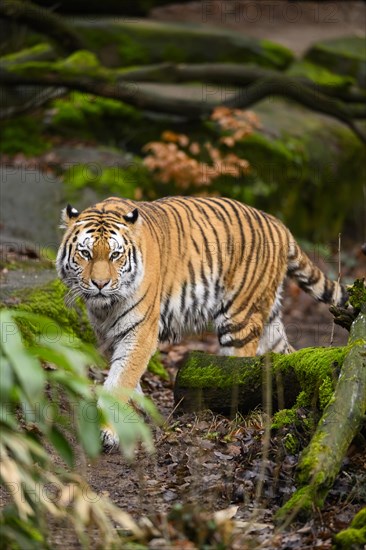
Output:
x=88 y=424
x=27 y=369
x=61 y=445
x=6 y=379
x=77 y=385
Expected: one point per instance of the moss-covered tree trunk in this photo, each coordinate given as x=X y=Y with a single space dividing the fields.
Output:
x=228 y=384
x=341 y=420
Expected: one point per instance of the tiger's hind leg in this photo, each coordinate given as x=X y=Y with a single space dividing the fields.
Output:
x=274 y=337
x=239 y=332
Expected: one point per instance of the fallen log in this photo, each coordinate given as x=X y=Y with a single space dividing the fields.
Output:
x=229 y=384
x=342 y=418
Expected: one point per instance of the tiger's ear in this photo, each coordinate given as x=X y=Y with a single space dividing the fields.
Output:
x=68 y=216
x=132 y=216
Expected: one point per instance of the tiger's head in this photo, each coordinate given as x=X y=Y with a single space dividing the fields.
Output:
x=99 y=258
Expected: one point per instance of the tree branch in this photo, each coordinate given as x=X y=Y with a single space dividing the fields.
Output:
x=124 y=85
x=43 y=21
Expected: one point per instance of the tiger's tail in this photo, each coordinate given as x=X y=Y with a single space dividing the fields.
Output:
x=311 y=279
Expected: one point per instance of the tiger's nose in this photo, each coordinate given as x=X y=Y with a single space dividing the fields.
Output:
x=100 y=283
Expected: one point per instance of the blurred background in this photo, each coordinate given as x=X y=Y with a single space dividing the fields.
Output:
x=260 y=101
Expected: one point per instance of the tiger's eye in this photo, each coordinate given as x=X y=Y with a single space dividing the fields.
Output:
x=114 y=255
x=85 y=254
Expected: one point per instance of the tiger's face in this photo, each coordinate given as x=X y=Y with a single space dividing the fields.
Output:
x=98 y=258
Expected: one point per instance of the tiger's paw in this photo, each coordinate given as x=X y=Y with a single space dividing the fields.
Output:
x=110 y=440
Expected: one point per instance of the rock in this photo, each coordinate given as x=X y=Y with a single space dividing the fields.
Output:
x=66 y=156
x=31 y=201
x=123 y=42
x=345 y=56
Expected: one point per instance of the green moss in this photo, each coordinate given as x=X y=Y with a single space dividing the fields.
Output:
x=309 y=461
x=131 y=51
x=277 y=54
x=156 y=367
x=93 y=117
x=287 y=418
x=82 y=61
x=355 y=536
x=359 y=521
x=23 y=135
x=284 y=417
x=301 y=502
x=223 y=372
x=345 y=55
x=123 y=182
x=291 y=443
x=357 y=293
x=312 y=365
x=319 y=75
x=351 y=539
x=49 y=300
x=38 y=50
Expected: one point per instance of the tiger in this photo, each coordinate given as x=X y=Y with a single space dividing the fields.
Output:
x=147 y=271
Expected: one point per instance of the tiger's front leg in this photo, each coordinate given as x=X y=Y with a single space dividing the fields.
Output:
x=134 y=342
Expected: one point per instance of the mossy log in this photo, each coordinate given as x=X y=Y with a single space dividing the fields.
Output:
x=229 y=384
x=342 y=418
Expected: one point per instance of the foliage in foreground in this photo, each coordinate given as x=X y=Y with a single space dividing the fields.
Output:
x=43 y=407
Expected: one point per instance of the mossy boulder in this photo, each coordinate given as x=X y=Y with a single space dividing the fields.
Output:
x=320 y=75
x=122 y=42
x=303 y=166
x=345 y=56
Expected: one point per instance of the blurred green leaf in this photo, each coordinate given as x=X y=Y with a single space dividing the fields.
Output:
x=27 y=369
x=61 y=445
x=88 y=424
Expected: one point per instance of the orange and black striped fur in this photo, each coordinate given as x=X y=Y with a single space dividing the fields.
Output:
x=148 y=270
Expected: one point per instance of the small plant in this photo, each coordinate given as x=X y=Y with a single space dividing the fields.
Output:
x=47 y=399
x=188 y=163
